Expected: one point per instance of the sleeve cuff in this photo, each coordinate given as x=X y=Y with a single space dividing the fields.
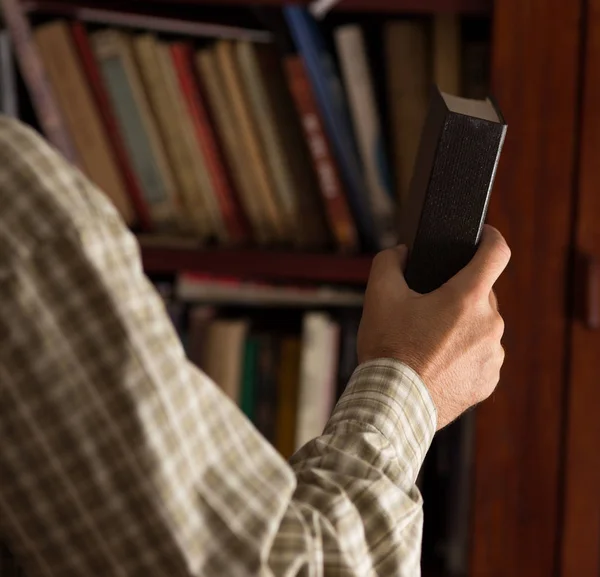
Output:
x=390 y=397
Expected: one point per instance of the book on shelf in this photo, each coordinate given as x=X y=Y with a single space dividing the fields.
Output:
x=82 y=119
x=352 y=51
x=137 y=125
x=234 y=220
x=257 y=169
x=94 y=78
x=334 y=112
x=237 y=136
x=407 y=57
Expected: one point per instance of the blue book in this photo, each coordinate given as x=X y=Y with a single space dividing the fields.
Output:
x=330 y=96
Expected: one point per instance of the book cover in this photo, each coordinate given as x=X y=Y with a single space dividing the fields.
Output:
x=408 y=75
x=454 y=173
x=94 y=79
x=34 y=74
x=330 y=97
x=222 y=186
x=82 y=118
x=134 y=116
x=221 y=107
x=352 y=52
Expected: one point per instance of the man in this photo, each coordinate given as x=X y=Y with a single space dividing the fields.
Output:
x=119 y=458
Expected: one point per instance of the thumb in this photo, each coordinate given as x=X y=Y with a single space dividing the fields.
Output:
x=388 y=267
x=487 y=265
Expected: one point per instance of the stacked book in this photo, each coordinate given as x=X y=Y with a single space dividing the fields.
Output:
x=237 y=136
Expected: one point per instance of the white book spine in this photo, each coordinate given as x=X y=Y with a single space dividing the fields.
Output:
x=367 y=127
x=315 y=369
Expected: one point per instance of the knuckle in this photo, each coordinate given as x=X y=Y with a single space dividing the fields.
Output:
x=498 y=326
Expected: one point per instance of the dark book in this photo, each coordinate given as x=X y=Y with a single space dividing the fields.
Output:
x=450 y=189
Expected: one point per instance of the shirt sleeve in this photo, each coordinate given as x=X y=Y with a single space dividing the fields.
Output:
x=120 y=458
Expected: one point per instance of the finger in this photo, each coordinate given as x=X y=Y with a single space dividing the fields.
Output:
x=389 y=265
x=494 y=301
x=487 y=265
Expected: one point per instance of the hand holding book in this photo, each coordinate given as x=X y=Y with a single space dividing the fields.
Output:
x=450 y=337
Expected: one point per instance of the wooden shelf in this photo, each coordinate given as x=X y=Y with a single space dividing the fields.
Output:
x=399 y=6
x=259 y=264
x=390 y=6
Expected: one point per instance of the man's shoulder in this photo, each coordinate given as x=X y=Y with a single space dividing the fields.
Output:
x=41 y=194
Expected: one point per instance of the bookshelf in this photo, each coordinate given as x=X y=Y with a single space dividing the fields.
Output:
x=526 y=511
x=266 y=265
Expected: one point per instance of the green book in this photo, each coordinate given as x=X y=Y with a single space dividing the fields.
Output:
x=248 y=396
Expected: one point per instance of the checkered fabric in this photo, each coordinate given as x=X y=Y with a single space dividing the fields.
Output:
x=119 y=458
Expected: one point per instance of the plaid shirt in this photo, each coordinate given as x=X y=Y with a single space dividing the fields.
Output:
x=119 y=458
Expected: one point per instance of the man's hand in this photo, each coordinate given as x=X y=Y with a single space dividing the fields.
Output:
x=450 y=337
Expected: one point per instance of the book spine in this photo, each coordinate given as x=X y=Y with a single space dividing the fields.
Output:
x=248 y=133
x=182 y=55
x=34 y=75
x=330 y=184
x=168 y=123
x=94 y=79
x=446 y=52
x=287 y=395
x=367 y=127
x=82 y=117
x=408 y=80
x=132 y=110
x=264 y=120
x=218 y=98
x=332 y=104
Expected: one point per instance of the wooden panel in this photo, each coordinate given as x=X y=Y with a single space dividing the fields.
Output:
x=260 y=265
x=422 y=6
x=581 y=538
x=519 y=430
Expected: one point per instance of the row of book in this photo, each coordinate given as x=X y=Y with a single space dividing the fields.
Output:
x=250 y=137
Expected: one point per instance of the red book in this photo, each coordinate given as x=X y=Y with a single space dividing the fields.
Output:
x=112 y=129
x=330 y=184
x=231 y=210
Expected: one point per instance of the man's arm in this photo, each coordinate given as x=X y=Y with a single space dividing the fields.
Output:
x=120 y=458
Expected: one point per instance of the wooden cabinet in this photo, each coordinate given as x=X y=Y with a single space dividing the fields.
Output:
x=519 y=432
x=581 y=502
